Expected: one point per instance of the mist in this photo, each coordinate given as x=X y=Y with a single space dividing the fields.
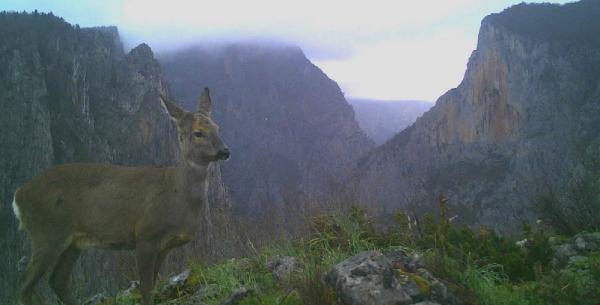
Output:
x=392 y=50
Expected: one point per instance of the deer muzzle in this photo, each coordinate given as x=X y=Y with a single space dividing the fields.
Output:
x=223 y=154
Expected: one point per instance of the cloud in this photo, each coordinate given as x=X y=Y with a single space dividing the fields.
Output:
x=391 y=49
x=420 y=68
x=330 y=23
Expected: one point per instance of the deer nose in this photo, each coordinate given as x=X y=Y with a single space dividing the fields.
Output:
x=223 y=154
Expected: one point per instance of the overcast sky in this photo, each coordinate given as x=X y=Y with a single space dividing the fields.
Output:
x=378 y=49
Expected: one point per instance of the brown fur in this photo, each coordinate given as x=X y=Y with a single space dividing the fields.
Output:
x=151 y=210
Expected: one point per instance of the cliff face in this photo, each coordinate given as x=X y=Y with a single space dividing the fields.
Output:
x=70 y=94
x=291 y=132
x=523 y=121
x=381 y=120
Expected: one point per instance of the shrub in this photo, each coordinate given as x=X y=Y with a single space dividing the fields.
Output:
x=576 y=209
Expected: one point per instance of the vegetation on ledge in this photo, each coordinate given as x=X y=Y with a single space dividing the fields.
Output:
x=478 y=266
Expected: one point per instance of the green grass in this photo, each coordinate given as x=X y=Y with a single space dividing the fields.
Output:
x=479 y=266
x=491 y=286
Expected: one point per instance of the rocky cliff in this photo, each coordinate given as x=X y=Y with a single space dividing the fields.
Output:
x=381 y=120
x=70 y=94
x=291 y=132
x=524 y=121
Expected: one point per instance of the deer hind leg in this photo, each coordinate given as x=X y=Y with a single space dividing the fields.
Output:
x=146 y=254
x=59 y=280
x=42 y=257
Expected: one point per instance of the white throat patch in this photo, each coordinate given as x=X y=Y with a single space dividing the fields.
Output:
x=17 y=211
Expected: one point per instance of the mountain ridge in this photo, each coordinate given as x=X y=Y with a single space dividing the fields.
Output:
x=497 y=142
x=292 y=129
x=382 y=119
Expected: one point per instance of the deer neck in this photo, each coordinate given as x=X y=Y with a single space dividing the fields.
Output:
x=192 y=182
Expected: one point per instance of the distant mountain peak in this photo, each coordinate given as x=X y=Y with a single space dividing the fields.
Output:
x=523 y=120
x=576 y=23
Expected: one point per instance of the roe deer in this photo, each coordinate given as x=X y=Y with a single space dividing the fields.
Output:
x=147 y=209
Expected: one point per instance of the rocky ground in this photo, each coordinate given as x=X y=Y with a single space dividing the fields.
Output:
x=346 y=263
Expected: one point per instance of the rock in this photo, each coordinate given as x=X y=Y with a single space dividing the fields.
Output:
x=368 y=278
x=176 y=284
x=237 y=296
x=411 y=288
x=180 y=279
x=574 y=260
x=575 y=249
x=98 y=299
x=132 y=291
x=438 y=290
x=563 y=252
x=205 y=292
x=373 y=278
x=401 y=260
x=426 y=303
x=282 y=267
x=587 y=242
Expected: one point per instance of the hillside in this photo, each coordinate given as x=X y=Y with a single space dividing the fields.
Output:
x=291 y=132
x=522 y=125
x=71 y=94
x=381 y=120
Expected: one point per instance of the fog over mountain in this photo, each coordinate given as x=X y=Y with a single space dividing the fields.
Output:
x=380 y=49
x=381 y=120
x=292 y=133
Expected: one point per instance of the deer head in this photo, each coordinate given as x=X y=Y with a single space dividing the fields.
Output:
x=198 y=135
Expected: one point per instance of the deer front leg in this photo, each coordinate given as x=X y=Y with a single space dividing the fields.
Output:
x=146 y=255
x=59 y=280
x=158 y=262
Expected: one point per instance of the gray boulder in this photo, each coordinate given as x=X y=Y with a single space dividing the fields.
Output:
x=368 y=279
x=237 y=296
x=133 y=290
x=372 y=278
x=587 y=242
x=402 y=260
x=204 y=292
x=575 y=248
x=438 y=290
x=97 y=300
x=176 y=284
x=282 y=267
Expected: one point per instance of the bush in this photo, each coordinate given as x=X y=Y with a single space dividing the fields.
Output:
x=579 y=283
x=576 y=209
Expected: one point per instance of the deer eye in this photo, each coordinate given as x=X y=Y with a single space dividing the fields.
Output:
x=198 y=134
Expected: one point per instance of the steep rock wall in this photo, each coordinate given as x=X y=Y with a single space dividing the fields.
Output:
x=522 y=122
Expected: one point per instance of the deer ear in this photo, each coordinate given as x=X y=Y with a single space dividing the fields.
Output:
x=172 y=109
x=204 y=103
